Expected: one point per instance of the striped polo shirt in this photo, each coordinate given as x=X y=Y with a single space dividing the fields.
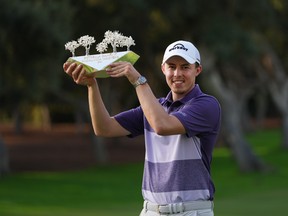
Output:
x=177 y=167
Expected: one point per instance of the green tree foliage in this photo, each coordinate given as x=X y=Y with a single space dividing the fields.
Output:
x=230 y=29
x=235 y=33
x=32 y=34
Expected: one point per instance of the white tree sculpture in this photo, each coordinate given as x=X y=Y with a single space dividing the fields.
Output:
x=101 y=47
x=86 y=41
x=71 y=46
x=113 y=38
x=128 y=41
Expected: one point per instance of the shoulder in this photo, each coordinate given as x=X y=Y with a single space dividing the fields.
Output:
x=204 y=100
x=205 y=107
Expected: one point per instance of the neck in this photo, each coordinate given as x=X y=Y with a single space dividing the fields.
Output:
x=178 y=96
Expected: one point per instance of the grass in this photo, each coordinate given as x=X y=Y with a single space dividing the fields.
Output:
x=115 y=190
x=247 y=194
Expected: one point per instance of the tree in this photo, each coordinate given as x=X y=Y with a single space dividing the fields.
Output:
x=71 y=46
x=226 y=28
x=86 y=41
x=233 y=103
x=32 y=36
x=4 y=159
x=272 y=70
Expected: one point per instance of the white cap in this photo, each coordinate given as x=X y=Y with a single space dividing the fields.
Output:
x=183 y=49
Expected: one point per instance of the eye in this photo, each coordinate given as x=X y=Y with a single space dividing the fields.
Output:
x=186 y=67
x=171 y=66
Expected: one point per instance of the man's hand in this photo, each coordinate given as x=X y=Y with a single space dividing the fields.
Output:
x=78 y=73
x=120 y=69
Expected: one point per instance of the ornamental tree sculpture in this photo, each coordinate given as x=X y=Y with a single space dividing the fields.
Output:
x=128 y=41
x=101 y=47
x=72 y=46
x=113 y=38
x=86 y=41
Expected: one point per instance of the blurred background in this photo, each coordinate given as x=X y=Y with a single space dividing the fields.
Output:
x=50 y=161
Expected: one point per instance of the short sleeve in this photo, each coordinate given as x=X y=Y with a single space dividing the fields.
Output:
x=132 y=120
x=200 y=115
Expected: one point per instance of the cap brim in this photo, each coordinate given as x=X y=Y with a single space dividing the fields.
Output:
x=187 y=58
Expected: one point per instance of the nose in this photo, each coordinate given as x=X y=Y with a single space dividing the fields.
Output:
x=177 y=72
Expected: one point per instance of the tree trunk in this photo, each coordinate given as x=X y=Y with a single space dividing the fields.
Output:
x=233 y=135
x=273 y=71
x=17 y=119
x=232 y=105
x=285 y=130
x=4 y=159
x=280 y=97
x=100 y=151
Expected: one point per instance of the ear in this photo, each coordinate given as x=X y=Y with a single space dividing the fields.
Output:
x=198 y=70
x=163 y=68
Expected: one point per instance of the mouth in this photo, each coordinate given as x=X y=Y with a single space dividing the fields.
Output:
x=177 y=82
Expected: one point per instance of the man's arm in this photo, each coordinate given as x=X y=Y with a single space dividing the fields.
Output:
x=103 y=123
x=161 y=122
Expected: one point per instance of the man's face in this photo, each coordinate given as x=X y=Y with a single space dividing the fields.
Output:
x=180 y=76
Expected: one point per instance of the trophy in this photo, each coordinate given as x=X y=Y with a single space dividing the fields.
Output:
x=96 y=64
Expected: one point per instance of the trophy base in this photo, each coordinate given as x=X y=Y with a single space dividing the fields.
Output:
x=95 y=65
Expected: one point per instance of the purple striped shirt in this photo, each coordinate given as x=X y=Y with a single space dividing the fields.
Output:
x=177 y=167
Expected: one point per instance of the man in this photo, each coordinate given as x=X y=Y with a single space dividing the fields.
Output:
x=180 y=131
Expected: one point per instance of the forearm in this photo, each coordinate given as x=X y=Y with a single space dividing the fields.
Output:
x=161 y=122
x=99 y=115
x=103 y=123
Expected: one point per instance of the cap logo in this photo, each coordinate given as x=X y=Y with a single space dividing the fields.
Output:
x=178 y=46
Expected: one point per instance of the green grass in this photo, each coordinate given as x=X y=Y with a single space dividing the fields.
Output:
x=103 y=189
x=116 y=190
x=252 y=194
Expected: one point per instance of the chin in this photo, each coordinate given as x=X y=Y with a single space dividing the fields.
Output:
x=178 y=91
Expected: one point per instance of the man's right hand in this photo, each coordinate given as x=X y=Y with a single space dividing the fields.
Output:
x=78 y=73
